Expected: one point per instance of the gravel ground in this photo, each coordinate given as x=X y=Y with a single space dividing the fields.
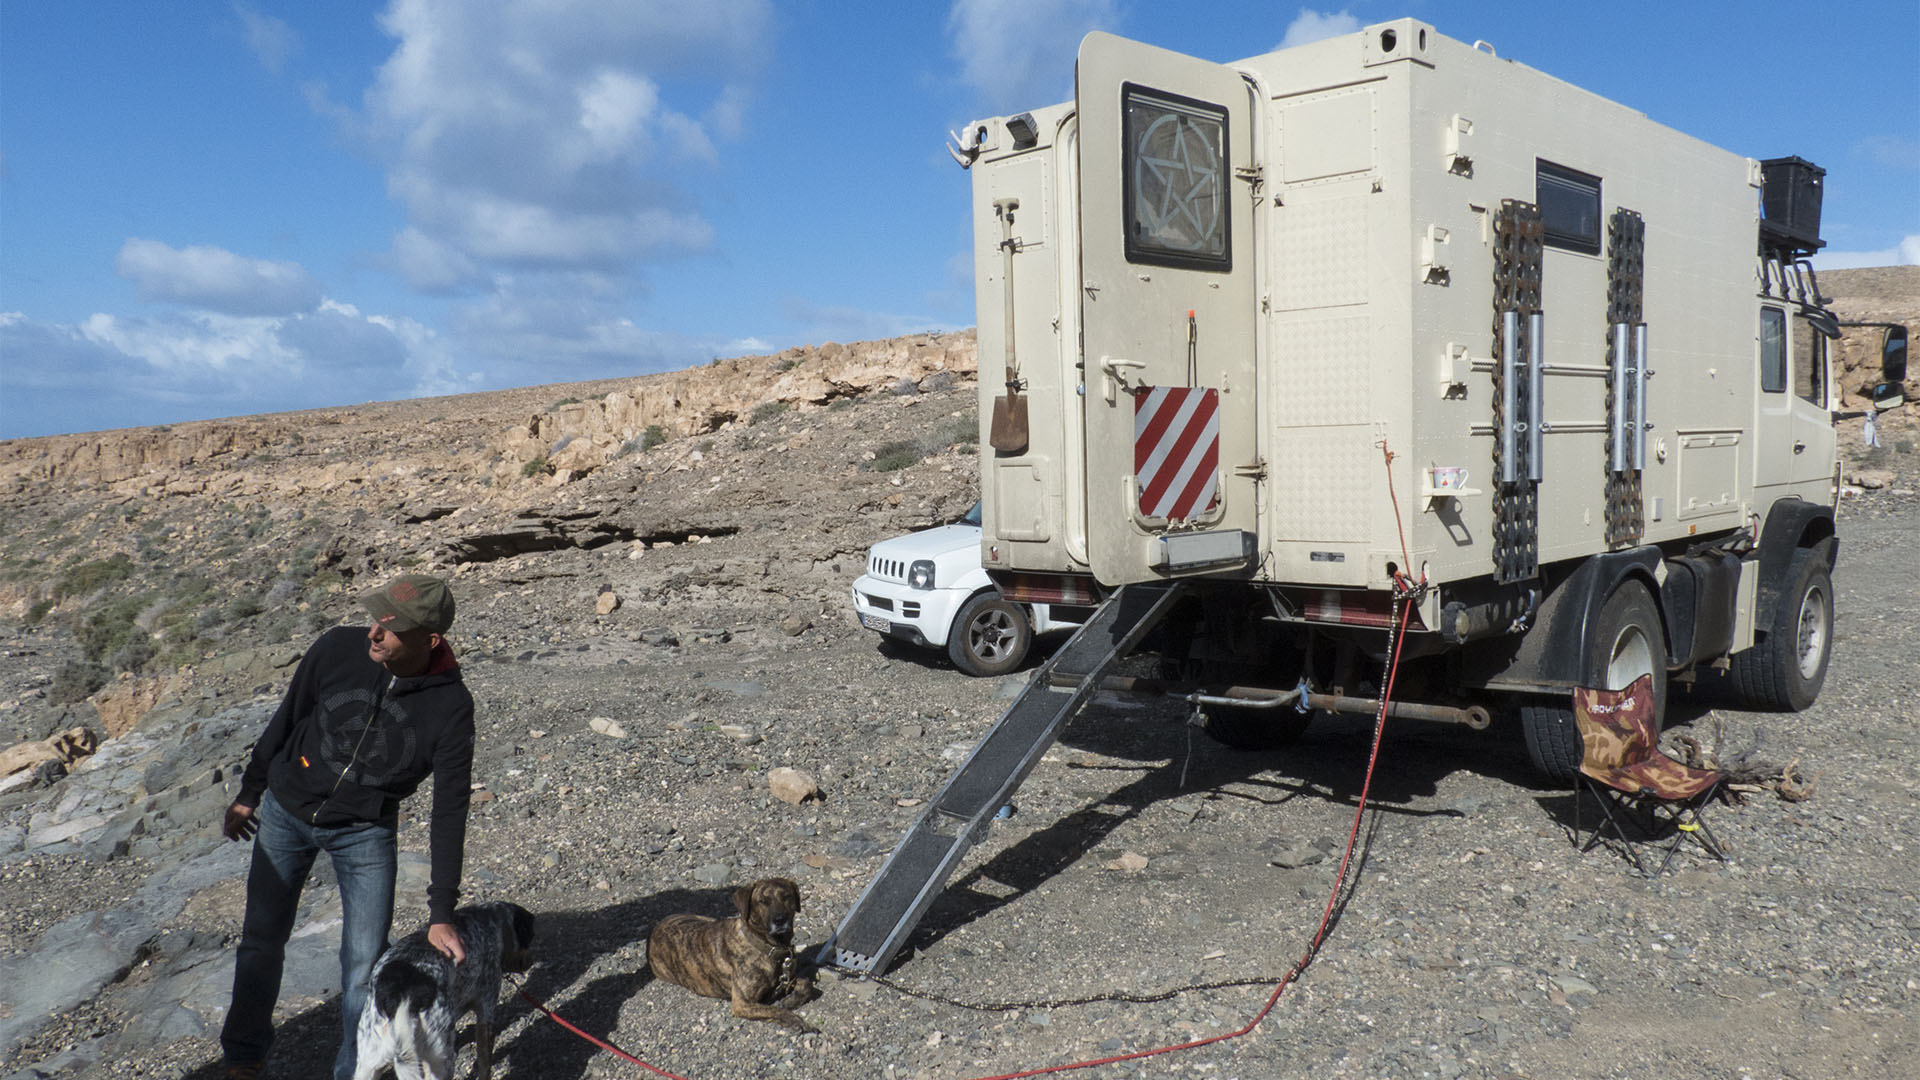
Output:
x=1475 y=939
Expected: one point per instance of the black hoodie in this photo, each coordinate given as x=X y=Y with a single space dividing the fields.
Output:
x=350 y=740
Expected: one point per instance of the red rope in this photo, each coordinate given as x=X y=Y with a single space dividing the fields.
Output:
x=1326 y=917
x=599 y=1042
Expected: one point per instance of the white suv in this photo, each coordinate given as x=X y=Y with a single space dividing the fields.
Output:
x=928 y=588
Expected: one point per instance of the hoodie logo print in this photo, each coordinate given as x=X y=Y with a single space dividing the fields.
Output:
x=366 y=757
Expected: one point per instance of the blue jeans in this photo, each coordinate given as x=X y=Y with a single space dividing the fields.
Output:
x=364 y=862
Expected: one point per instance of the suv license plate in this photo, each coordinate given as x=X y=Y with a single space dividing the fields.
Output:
x=875 y=622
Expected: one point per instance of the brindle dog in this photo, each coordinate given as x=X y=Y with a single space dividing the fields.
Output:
x=747 y=959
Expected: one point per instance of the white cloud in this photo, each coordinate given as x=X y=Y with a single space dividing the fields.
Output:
x=200 y=340
x=430 y=265
x=746 y=346
x=1897 y=151
x=549 y=134
x=216 y=279
x=118 y=371
x=1310 y=26
x=1905 y=253
x=835 y=323
x=271 y=39
x=613 y=106
x=1018 y=54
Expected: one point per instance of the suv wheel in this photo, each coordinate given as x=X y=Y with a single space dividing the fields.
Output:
x=990 y=636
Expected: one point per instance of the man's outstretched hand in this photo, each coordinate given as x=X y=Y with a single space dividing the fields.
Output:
x=445 y=938
x=239 y=823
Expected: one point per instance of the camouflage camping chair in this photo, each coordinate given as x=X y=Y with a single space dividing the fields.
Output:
x=1623 y=766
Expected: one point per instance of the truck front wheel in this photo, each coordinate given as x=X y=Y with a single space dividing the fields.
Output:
x=1785 y=670
x=990 y=636
x=1625 y=642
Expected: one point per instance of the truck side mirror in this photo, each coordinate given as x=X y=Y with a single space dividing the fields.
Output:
x=1888 y=393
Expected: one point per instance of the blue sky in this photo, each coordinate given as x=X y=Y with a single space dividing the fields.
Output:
x=217 y=209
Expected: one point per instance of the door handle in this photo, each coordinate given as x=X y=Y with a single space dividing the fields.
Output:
x=1114 y=376
x=1799 y=447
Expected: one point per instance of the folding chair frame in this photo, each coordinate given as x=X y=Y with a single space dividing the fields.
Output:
x=1685 y=817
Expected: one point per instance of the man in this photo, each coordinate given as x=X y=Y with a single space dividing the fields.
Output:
x=369 y=715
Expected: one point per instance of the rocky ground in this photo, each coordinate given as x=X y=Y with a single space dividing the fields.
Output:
x=649 y=638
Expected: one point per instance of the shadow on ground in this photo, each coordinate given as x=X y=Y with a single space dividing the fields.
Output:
x=567 y=944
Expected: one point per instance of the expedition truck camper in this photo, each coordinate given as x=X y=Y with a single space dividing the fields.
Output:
x=1384 y=327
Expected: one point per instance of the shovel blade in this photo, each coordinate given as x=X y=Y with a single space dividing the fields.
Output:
x=1008 y=433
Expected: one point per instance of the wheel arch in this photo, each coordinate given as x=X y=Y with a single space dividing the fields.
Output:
x=1552 y=657
x=1791 y=524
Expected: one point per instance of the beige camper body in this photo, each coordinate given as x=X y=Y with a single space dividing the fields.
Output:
x=1388 y=308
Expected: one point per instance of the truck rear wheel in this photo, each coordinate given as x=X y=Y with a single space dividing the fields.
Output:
x=1625 y=642
x=990 y=636
x=1256 y=729
x=1785 y=670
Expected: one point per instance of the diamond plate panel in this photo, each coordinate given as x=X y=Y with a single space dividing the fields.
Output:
x=1322 y=366
x=1320 y=249
x=1320 y=480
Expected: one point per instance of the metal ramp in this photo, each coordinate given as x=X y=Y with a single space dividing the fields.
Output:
x=957 y=818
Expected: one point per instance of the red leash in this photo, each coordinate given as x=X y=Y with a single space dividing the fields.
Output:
x=595 y=1040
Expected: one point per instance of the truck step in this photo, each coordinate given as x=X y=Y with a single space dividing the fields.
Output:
x=879 y=922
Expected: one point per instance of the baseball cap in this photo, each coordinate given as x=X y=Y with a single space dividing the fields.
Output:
x=411 y=601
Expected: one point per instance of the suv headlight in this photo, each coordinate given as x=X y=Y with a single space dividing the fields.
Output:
x=920 y=574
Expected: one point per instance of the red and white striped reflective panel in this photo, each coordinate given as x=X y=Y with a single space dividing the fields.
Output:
x=1176 y=450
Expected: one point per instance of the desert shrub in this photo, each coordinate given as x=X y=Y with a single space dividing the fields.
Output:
x=564 y=402
x=705 y=447
x=85 y=578
x=133 y=655
x=840 y=404
x=38 y=611
x=75 y=681
x=284 y=592
x=17 y=568
x=895 y=456
x=244 y=607
x=182 y=649
x=534 y=468
x=281 y=625
x=961 y=431
x=106 y=629
x=767 y=410
x=785 y=365
x=654 y=436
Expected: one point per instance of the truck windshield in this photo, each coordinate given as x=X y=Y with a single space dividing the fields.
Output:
x=972 y=517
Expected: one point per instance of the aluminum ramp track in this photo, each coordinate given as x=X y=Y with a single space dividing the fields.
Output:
x=957 y=818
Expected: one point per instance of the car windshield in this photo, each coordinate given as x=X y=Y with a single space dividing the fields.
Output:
x=972 y=516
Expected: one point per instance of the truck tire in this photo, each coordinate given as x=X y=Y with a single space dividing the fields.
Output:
x=1256 y=729
x=1785 y=670
x=990 y=636
x=1626 y=641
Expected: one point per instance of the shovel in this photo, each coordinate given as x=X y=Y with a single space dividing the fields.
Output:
x=1007 y=433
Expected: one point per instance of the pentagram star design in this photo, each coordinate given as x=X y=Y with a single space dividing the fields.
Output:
x=1177 y=187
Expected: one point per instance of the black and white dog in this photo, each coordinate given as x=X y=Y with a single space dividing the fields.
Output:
x=418 y=995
